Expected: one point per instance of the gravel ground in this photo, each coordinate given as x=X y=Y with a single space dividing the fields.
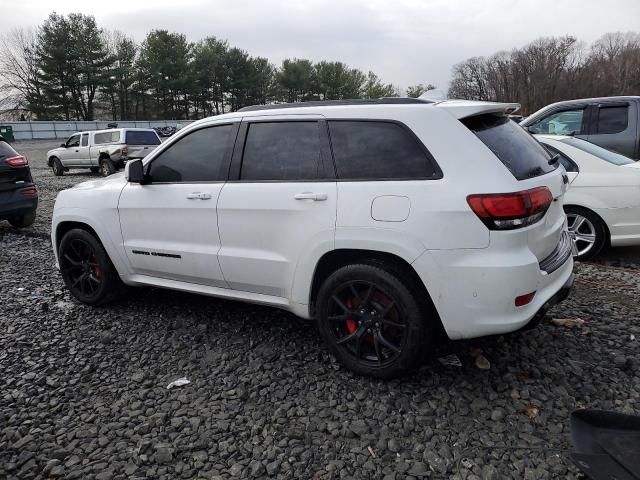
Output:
x=84 y=389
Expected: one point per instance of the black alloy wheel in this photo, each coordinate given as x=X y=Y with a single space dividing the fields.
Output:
x=373 y=322
x=86 y=268
x=367 y=323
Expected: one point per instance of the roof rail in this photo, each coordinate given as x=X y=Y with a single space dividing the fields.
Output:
x=331 y=103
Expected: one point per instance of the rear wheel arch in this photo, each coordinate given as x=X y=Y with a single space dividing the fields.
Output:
x=335 y=259
x=573 y=208
x=606 y=227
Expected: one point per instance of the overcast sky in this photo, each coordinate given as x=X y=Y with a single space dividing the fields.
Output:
x=404 y=41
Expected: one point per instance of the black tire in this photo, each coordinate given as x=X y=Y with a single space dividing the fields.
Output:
x=107 y=167
x=95 y=169
x=591 y=227
x=23 y=221
x=383 y=312
x=81 y=254
x=56 y=166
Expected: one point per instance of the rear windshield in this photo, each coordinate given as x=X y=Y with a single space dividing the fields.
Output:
x=516 y=149
x=603 y=153
x=141 y=137
x=6 y=151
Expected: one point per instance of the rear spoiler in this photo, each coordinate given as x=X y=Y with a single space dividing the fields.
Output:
x=469 y=108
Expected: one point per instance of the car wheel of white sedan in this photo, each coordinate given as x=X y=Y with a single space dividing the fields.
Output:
x=587 y=232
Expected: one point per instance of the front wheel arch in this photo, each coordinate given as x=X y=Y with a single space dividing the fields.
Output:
x=64 y=227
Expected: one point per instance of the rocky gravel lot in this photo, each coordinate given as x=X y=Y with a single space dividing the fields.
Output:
x=84 y=389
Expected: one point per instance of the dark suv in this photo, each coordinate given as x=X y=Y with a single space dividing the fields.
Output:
x=18 y=193
x=610 y=122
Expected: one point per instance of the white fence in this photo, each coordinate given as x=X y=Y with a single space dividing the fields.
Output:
x=44 y=130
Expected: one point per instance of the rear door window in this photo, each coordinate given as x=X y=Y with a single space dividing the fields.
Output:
x=613 y=119
x=514 y=147
x=137 y=137
x=285 y=151
x=377 y=150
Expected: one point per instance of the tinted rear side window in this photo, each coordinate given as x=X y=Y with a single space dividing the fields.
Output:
x=613 y=119
x=514 y=147
x=136 y=137
x=365 y=150
x=281 y=151
x=6 y=151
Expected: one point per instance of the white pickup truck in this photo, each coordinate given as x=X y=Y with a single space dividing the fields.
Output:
x=102 y=151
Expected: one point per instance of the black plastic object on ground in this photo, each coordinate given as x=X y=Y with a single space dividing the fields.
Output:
x=607 y=444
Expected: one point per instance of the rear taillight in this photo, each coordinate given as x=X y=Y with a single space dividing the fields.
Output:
x=506 y=211
x=17 y=161
x=125 y=151
x=29 y=192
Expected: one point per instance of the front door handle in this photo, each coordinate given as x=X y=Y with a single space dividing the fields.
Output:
x=199 y=196
x=316 y=197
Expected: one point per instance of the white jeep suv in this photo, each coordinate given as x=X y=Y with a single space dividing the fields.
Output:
x=390 y=222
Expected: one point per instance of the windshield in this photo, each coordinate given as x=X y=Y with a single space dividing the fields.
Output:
x=593 y=149
x=6 y=150
x=142 y=137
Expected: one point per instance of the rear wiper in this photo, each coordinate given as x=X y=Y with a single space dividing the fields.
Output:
x=553 y=160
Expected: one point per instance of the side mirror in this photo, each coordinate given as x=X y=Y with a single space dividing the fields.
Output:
x=63 y=145
x=134 y=171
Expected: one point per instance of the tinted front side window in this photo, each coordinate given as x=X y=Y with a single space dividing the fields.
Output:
x=281 y=151
x=613 y=119
x=197 y=157
x=566 y=122
x=137 y=137
x=514 y=147
x=85 y=140
x=377 y=150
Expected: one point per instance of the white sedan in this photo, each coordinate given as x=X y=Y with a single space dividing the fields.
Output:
x=603 y=203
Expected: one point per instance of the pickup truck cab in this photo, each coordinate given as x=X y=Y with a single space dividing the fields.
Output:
x=610 y=122
x=102 y=151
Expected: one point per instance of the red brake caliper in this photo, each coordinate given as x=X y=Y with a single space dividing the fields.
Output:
x=352 y=326
x=96 y=270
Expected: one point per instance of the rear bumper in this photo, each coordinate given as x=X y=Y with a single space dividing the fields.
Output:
x=474 y=291
x=560 y=296
x=14 y=204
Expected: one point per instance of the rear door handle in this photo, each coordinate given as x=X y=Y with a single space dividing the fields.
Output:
x=316 y=197
x=199 y=196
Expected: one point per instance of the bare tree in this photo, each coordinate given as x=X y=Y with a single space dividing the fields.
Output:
x=19 y=81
